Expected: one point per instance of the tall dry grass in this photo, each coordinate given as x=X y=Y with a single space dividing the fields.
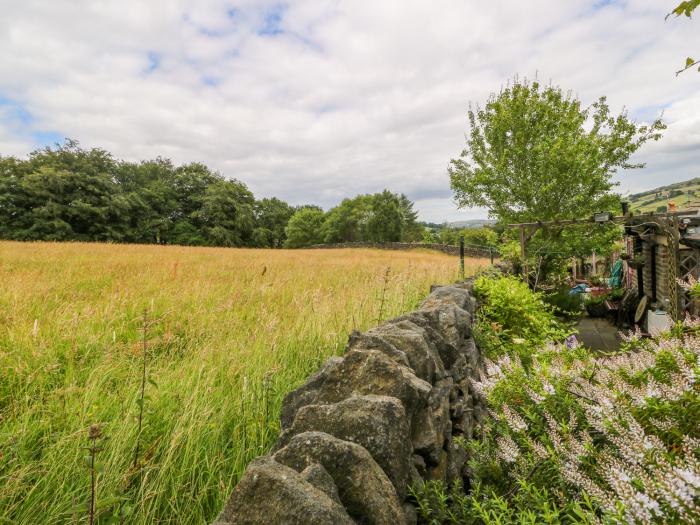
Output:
x=230 y=332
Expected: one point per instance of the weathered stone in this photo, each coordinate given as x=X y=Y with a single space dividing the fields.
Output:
x=447 y=352
x=367 y=341
x=413 y=341
x=456 y=461
x=410 y=514
x=363 y=487
x=319 y=478
x=272 y=493
x=378 y=423
x=433 y=425
x=439 y=471
x=360 y=372
x=307 y=393
x=447 y=294
x=419 y=463
x=368 y=425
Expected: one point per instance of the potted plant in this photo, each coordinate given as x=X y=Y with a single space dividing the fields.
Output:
x=637 y=262
x=595 y=306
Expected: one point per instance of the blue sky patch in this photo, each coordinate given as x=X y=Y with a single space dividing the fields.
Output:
x=46 y=138
x=13 y=111
x=272 y=21
x=153 y=61
x=19 y=119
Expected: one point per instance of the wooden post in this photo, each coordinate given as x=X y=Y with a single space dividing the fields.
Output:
x=461 y=256
x=522 y=252
x=594 y=264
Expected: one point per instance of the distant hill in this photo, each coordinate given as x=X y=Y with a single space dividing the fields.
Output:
x=684 y=194
x=472 y=223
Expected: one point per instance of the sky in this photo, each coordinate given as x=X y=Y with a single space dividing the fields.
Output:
x=313 y=101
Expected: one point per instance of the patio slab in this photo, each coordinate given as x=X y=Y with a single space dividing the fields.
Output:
x=598 y=334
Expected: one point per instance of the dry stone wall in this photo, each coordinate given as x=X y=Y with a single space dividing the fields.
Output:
x=369 y=424
x=469 y=250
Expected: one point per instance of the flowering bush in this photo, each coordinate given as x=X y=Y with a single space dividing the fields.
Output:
x=513 y=318
x=577 y=437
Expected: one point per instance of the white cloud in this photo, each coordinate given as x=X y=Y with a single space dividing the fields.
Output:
x=349 y=97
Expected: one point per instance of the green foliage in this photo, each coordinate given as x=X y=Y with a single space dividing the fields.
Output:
x=535 y=154
x=513 y=318
x=575 y=437
x=483 y=237
x=304 y=228
x=381 y=217
x=529 y=505
x=686 y=8
x=271 y=218
x=68 y=193
x=564 y=303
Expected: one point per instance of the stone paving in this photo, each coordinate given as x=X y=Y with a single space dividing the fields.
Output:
x=598 y=334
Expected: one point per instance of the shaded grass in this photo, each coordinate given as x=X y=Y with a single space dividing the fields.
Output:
x=232 y=331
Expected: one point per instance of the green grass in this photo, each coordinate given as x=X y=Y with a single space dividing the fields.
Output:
x=230 y=332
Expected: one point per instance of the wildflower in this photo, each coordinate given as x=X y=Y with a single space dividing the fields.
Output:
x=508 y=450
x=515 y=422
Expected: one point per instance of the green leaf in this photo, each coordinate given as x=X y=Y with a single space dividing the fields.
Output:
x=79 y=507
x=110 y=500
x=152 y=382
x=689 y=62
x=87 y=460
x=139 y=402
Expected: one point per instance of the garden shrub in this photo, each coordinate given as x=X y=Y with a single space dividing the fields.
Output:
x=577 y=437
x=512 y=318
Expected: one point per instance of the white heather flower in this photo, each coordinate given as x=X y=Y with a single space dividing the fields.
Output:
x=547 y=387
x=508 y=449
x=537 y=398
x=514 y=420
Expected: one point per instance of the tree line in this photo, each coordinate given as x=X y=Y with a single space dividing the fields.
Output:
x=67 y=193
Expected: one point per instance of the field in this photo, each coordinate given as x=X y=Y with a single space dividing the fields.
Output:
x=684 y=194
x=227 y=333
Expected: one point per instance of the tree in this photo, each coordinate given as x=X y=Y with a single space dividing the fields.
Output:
x=226 y=213
x=411 y=230
x=686 y=8
x=535 y=154
x=386 y=221
x=304 y=228
x=348 y=221
x=271 y=218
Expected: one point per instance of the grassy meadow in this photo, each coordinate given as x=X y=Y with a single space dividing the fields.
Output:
x=227 y=333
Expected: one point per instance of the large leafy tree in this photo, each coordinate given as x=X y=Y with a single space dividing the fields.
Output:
x=347 y=222
x=304 y=228
x=535 y=153
x=386 y=221
x=271 y=218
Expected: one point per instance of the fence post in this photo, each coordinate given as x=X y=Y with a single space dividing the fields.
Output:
x=491 y=254
x=461 y=256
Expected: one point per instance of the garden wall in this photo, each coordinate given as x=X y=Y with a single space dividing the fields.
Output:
x=369 y=424
x=469 y=251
